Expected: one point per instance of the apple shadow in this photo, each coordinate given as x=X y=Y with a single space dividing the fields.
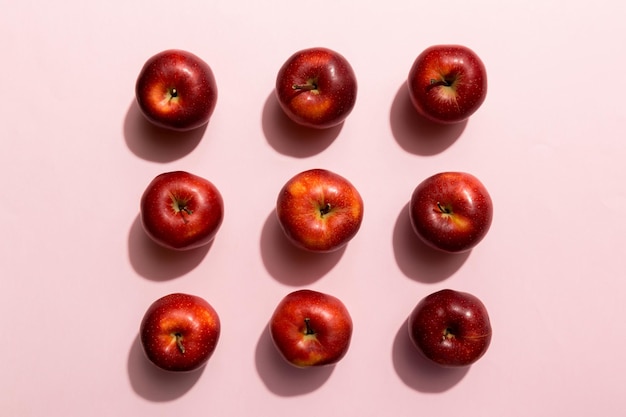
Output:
x=157 y=263
x=418 y=261
x=289 y=138
x=289 y=264
x=282 y=378
x=155 y=384
x=417 y=135
x=156 y=144
x=419 y=373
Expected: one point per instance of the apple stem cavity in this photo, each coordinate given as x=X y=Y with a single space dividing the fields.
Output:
x=325 y=209
x=445 y=210
x=179 y=342
x=309 y=330
x=448 y=334
x=180 y=206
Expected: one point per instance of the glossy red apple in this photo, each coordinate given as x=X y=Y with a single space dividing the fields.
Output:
x=451 y=211
x=181 y=211
x=447 y=83
x=179 y=332
x=310 y=328
x=176 y=90
x=451 y=328
x=316 y=87
x=319 y=210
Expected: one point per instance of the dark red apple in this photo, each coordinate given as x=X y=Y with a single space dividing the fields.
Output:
x=316 y=87
x=451 y=328
x=447 y=83
x=181 y=211
x=451 y=211
x=176 y=90
x=179 y=332
x=310 y=328
x=319 y=210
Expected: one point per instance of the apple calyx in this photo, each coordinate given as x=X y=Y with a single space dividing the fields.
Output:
x=308 y=331
x=179 y=342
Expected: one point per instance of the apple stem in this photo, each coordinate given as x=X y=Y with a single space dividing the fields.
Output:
x=443 y=209
x=305 y=87
x=179 y=342
x=445 y=83
x=174 y=93
x=309 y=330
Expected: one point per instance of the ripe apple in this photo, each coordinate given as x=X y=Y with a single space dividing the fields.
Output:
x=181 y=211
x=176 y=90
x=319 y=210
x=451 y=211
x=179 y=332
x=316 y=87
x=447 y=83
x=310 y=328
x=451 y=328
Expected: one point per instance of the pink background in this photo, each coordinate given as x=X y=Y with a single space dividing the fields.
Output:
x=75 y=156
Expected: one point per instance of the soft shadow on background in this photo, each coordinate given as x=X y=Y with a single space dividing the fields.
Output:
x=418 y=372
x=282 y=378
x=416 y=134
x=418 y=261
x=289 y=264
x=152 y=143
x=157 y=263
x=289 y=138
x=155 y=384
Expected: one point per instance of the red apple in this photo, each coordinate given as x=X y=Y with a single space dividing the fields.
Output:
x=181 y=211
x=319 y=210
x=179 y=332
x=310 y=328
x=176 y=90
x=316 y=87
x=447 y=83
x=451 y=328
x=451 y=211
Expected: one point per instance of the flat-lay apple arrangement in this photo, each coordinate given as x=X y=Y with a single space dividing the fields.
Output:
x=318 y=210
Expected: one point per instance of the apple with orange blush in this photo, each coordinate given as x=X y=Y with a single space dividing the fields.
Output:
x=310 y=328
x=179 y=332
x=451 y=211
x=176 y=90
x=447 y=83
x=316 y=88
x=319 y=210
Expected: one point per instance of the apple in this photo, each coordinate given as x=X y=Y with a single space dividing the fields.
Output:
x=451 y=211
x=181 y=211
x=176 y=90
x=310 y=328
x=319 y=210
x=451 y=328
x=316 y=87
x=447 y=83
x=179 y=332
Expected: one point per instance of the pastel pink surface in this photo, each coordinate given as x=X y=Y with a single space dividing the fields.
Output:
x=78 y=272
